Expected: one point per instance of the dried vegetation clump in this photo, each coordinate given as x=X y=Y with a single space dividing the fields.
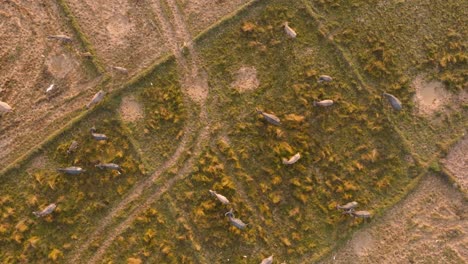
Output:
x=164 y=113
x=80 y=198
x=450 y=58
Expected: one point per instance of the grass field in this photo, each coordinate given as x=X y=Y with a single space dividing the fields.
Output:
x=358 y=149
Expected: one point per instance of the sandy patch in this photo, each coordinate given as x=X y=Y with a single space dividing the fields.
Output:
x=60 y=65
x=39 y=162
x=457 y=162
x=195 y=84
x=429 y=226
x=130 y=109
x=118 y=26
x=430 y=96
x=246 y=79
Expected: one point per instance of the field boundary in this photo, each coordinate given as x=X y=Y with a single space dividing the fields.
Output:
x=448 y=175
x=229 y=18
x=126 y=86
x=83 y=40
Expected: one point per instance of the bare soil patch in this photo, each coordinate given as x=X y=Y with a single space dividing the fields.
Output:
x=29 y=64
x=39 y=162
x=246 y=79
x=429 y=226
x=130 y=109
x=124 y=33
x=61 y=64
x=457 y=162
x=432 y=96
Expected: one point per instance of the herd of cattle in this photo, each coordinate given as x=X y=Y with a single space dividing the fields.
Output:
x=348 y=208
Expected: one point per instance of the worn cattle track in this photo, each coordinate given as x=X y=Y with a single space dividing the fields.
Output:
x=195 y=87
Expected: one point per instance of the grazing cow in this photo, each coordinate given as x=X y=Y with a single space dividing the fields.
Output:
x=292 y=160
x=220 y=197
x=348 y=206
x=360 y=214
x=73 y=146
x=289 y=31
x=394 y=102
x=110 y=166
x=97 y=136
x=50 y=89
x=325 y=78
x=96 y=98
x=323 y=103
x=235 y=221
x=272 y=119
x=120 y=69
x=48 y=210
x=5 y=108
x=71 y=170
x=268 y=260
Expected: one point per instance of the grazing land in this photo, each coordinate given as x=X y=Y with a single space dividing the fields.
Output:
x=182 y=118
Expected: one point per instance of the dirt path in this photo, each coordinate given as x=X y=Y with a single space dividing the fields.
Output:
x=429 y=226
x=181 y=174
x=134 y=194
x=195 y=87
x=196 y=81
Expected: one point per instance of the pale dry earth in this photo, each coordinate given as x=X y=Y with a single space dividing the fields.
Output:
x=130 y=109
x=432 y=96
x=123 y=33
x=245 y=79
x=457 y=162
x=429 y=226
x=29 y=64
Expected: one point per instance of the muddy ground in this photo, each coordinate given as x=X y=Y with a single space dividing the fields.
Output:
x=429 y=226
x=130 y=109
x=29 y=64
